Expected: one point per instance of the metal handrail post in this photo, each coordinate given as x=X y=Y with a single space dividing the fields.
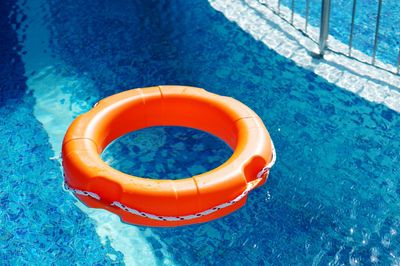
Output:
x=353 y=15
x=378 y=19
x=324 y=25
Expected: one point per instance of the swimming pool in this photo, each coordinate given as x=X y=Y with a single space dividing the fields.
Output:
x=332 y=197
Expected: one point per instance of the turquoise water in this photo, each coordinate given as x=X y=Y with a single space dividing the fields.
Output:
x=332 y=198
x=167 y=152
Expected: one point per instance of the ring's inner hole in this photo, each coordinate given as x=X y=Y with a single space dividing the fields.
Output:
x=166 y=152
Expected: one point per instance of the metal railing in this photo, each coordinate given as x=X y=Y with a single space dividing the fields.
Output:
x=324 y=28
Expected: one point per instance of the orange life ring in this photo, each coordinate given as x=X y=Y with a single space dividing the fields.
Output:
x=145 y=201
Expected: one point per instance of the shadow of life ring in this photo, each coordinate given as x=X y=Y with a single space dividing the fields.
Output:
x=151 y=202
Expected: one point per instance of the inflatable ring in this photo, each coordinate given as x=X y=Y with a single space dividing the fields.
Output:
x=151 y=202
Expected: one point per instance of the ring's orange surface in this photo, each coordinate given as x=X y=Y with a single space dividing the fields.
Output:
x=135 y=109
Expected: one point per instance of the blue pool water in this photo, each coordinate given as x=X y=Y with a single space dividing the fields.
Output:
x=167 y=152
x=333 y=196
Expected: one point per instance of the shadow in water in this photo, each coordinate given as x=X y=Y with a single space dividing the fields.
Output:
x=12 y=78
x=334 y=190
x=37 y=218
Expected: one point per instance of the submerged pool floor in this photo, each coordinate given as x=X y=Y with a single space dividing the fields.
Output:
x=332 y=197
